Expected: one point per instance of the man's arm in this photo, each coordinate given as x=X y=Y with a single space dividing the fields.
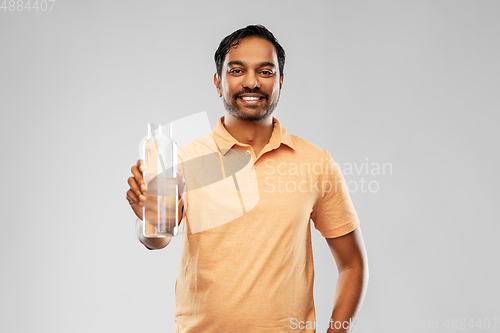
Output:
x=352 y=263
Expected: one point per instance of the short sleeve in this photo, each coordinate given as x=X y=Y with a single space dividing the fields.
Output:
x=333 y=213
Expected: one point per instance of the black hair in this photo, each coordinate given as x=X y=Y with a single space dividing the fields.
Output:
x=250 y=31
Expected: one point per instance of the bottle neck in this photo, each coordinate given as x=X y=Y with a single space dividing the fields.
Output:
x=154 y=129
x=163 y=130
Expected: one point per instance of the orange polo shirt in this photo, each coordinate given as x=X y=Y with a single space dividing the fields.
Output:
x=246 y=262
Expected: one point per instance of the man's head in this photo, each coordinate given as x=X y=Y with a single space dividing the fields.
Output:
x=249 y=75
x=250 y=31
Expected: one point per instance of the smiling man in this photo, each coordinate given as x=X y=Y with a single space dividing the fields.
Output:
x=254 y=272
x=249 y=81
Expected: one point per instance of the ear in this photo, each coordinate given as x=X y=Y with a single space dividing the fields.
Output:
x=217 y=84
x=281 y=81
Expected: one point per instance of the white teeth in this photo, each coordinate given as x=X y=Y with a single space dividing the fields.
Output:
x=250 y=98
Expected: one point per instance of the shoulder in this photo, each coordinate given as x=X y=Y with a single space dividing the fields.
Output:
x=318 y=158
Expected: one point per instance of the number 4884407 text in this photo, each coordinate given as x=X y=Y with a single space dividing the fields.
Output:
x=28 y=6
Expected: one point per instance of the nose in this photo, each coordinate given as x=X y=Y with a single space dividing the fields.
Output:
x=251 y=80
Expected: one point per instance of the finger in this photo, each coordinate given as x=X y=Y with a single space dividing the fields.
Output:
x=133 y=186
x=140 y=165
x=132 y=197
x=138 y=178
x=138 y=200
x=136 y=207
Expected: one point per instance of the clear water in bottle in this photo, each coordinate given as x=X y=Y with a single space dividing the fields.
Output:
x=161 y=208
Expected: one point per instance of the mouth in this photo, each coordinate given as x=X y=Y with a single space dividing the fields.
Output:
x=251 y=99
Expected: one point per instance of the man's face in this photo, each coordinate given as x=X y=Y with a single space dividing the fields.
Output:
x=250 y=83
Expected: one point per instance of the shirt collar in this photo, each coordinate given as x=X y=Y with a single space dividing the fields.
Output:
x=226 y=141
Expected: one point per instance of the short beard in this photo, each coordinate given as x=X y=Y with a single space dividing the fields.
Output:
x=236 y=112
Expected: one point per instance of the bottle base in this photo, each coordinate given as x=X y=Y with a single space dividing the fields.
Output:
x=174 y=232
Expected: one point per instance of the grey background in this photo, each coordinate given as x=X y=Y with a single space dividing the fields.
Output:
x=410 y=83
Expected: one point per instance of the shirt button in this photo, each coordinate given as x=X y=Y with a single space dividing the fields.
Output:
x=254 y=166
x=248 y=152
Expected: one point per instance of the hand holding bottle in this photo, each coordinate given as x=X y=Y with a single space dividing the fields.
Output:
x=136 y=195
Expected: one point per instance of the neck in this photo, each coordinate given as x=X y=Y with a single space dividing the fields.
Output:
x=255 y=134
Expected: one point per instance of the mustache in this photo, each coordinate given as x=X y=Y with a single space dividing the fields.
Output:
x=251 y=91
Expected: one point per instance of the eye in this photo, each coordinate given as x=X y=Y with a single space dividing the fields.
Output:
x=267 y=73
x=235 y=71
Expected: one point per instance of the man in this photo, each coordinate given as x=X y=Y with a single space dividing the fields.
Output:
x=246 y=262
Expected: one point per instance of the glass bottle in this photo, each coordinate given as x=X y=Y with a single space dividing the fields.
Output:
x=161 y=208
